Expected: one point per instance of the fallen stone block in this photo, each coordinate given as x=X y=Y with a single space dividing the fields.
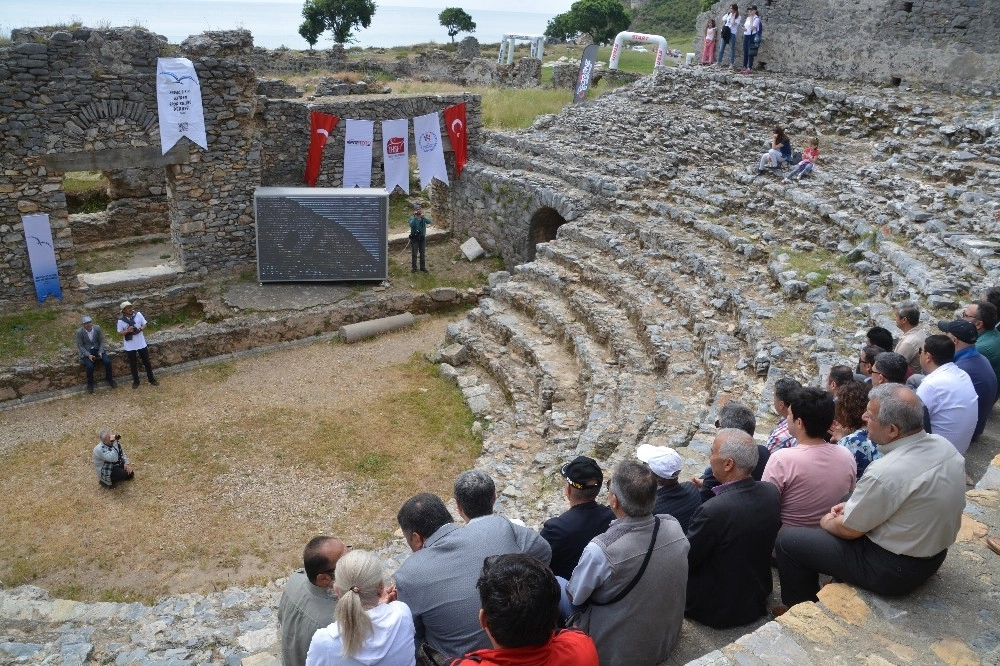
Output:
x=455 y=354
x=472 y=249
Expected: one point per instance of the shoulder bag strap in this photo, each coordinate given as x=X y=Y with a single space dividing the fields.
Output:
x=635 y=581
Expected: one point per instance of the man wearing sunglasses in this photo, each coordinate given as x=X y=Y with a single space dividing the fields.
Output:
x=308 y=602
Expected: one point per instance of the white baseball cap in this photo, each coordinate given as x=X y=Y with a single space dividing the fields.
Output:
x=663 y=460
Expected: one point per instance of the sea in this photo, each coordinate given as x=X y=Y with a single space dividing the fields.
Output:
x=273 y=23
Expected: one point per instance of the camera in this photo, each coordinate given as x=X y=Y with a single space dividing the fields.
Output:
x=128 y=336
x=118 y=438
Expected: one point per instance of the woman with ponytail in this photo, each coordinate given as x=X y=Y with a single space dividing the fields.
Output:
x=370 y=626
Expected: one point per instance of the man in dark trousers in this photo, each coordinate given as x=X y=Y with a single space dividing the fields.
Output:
x=570 y=533
x=90 y=342
x=729 y=564
x=418 y=239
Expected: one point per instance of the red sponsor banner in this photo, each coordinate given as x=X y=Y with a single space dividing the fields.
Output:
x=321 y=126
x=454 y=120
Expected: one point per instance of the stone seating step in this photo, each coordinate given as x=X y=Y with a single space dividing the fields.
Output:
x=609 y=389
x=128 y=280
x=603 y=319
x=557 y=372
x=517 y=380
x=591 y=182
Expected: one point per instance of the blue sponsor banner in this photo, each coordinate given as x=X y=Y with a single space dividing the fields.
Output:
x=42 y=256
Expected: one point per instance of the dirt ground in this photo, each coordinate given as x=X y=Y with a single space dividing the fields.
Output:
x=237 y=465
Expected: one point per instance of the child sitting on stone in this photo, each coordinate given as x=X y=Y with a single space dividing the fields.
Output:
x=808 y=161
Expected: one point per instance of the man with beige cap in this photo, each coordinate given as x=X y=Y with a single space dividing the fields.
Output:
x=130 y=325
x=672 y=497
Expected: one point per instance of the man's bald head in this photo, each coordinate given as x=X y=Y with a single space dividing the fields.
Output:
x=320 y=559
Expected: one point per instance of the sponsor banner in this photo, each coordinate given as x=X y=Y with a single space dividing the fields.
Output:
x=454 y=121
x=430 y=151
x=178 y=103
x=42 y=256
x=359 y=135
x=587 y=64
x=320 y=126
x=396 y=154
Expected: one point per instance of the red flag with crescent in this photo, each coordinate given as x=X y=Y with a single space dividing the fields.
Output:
x=321 y=126
x=454 y=120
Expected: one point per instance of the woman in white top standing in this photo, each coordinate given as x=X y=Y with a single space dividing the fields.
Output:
x=371 y=627
x=751 y=28
x=731 y=21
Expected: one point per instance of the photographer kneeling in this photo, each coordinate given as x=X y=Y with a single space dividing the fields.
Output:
x=110 y=461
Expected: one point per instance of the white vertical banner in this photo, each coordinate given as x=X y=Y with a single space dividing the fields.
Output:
x=42 y=256
x=396 y=154
x=358 y=139
x=430 y=150
x=178 y=102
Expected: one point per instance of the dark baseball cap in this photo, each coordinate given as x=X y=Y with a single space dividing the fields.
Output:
x=583 y=472
x=961 y=329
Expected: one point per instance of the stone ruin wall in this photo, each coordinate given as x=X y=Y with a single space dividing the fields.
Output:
x=467 y=67
x=935 y=44
x=86 y=100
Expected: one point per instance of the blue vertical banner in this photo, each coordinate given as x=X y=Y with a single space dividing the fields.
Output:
x=42 y=256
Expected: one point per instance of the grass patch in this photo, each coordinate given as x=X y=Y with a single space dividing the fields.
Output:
x=237 y=466
x=101 y=261
x=86 y=192
x=25 y=331
x=819 y=261
x=517 y=109
x=447 y=269
x=786 y=323
x=192 y=313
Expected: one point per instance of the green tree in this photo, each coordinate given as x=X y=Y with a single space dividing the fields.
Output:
x=560 y=27
x=341 y=17
x=456 y=20
x=601 y=19
x=313 y=26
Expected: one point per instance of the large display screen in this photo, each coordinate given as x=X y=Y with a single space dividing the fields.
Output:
x=321 y=234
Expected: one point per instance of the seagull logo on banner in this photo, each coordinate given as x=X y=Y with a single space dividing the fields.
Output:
x=457 y=130
x=39 y=241
x=178 y=79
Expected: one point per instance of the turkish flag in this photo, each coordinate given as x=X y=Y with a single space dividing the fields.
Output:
x=454 y=120
x=321 y=126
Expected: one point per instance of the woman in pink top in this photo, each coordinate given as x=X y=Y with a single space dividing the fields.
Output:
x=815 y=475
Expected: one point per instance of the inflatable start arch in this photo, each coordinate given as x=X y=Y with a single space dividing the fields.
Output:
x=616 y=50
x=507 y=46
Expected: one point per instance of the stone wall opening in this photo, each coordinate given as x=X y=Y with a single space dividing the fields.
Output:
x=542 y=228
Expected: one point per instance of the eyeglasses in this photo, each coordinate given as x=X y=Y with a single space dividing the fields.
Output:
x=876 y=372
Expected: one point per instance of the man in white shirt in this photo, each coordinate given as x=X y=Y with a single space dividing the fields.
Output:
x=952 y=406
x=130 y=325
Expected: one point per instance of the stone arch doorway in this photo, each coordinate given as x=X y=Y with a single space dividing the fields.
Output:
x=542 y=228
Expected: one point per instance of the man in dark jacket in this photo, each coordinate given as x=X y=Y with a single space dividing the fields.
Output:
x=729 y=564
x=569 y=533
x=90 y=342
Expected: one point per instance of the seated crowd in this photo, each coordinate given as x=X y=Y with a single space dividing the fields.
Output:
x=864 y=482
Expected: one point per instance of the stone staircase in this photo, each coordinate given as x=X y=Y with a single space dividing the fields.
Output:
x=690 y=280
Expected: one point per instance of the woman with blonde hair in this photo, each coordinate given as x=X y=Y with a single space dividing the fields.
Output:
x=370 y=626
